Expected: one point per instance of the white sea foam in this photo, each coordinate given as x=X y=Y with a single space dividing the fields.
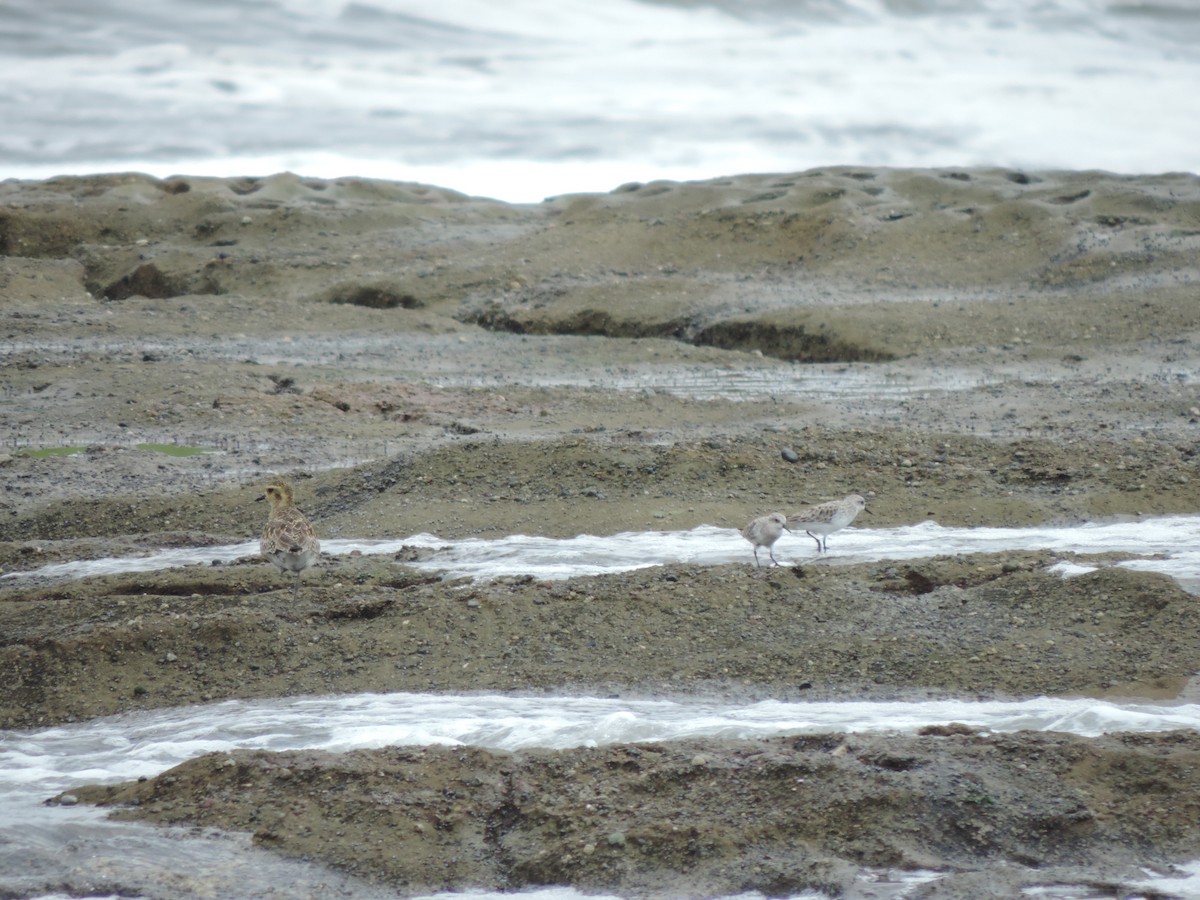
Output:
x=133 y=745
x=59 y=842
x=1168 y=544
x=1185 y=882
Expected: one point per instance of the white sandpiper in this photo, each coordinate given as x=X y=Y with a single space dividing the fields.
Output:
x=826 y=518
x=764 y=532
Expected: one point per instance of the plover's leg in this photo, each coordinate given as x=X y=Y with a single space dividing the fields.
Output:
x=771 y=553
x=815 y=538
x=756 y=562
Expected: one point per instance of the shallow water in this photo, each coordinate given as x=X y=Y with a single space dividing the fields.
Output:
x=43 y=848
x=40 y=844
x=496 y=361
x=974 y=385
x=538 y=361
x=1168 y=544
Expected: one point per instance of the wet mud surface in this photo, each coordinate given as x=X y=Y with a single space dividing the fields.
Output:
x=976 y=347
x=688 y=818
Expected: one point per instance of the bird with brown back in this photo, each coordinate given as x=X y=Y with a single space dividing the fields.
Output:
x=288 y=540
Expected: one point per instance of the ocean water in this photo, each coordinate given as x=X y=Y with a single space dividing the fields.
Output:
x=529 y=98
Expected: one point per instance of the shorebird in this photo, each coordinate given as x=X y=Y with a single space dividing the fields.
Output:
x=826 y=518
x=288 y=539
x=764 y=532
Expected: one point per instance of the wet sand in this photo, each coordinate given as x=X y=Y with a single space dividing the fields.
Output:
x=978 y=347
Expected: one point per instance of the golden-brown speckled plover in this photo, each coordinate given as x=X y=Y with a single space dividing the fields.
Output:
x=288 y=540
